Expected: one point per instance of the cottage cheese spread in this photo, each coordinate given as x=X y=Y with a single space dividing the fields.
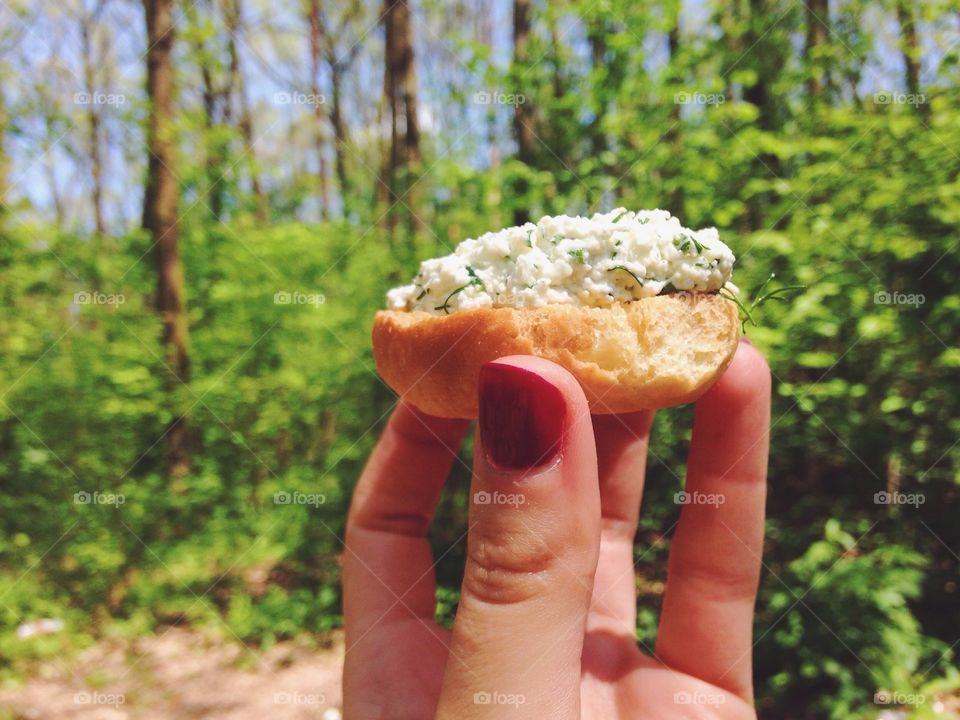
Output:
x=613 y=257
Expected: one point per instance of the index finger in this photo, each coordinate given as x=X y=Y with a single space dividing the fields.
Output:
x=707 y=620
x=388 y=566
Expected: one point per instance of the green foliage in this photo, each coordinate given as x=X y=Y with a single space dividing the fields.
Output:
x=858 y=201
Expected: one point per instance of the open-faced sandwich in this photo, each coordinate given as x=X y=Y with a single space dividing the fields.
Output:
x=629 y=302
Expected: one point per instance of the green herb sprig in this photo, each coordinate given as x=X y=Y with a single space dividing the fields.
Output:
x=474 y=280
x=760 y=299
x=682 y=242
x=628 y=271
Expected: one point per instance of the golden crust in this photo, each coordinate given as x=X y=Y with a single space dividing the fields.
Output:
x=652 y=353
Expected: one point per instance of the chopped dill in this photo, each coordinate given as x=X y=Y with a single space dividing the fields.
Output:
x=474 y=280
x=628 y=271
x=759 y=300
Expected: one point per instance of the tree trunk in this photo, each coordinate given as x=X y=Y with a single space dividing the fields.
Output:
x=597 y=37
x=93 y=119
x=50 y=165
x=910 y=45
x=4 y=161
x=339 y=134
x=673 y=135
x=320 y=135
x=214 y=160
x=400 y=93
x=233 y=19
x=160 y=216
x=758 y=94
x=523 y=112
x=338 y=64
x=818 y=15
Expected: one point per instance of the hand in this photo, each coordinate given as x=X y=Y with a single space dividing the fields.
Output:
x=545 y=625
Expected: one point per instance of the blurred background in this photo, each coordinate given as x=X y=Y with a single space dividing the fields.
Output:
x=203 y=203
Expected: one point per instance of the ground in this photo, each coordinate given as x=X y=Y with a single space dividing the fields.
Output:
x=182 y=674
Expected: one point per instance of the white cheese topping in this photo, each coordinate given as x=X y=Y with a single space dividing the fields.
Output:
x=611 y=257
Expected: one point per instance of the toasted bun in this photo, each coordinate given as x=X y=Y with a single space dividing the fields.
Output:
x=652 y=353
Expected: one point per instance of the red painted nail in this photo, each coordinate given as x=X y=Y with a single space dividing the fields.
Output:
x=522 y=417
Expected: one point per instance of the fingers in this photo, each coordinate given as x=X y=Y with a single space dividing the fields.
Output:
x=387 y=565
x=621 y=463
x=714 y=567
x=532 y=548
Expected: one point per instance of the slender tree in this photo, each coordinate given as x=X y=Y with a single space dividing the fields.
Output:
x=88 y=24
x=233 y=20
x=215 y=92
x=320 y=133
x=523 y=118
x=160 y=214
x=4 y=160
x=673 y=135
x=400 y=96
x=339 y=64
x=818 y=17
x=910 y=45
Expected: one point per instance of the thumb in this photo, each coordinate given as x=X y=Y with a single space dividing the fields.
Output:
x=532 y=548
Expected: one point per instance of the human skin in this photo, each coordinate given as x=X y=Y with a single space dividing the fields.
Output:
x=545 y=624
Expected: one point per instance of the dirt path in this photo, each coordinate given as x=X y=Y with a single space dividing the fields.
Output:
x=183 y=675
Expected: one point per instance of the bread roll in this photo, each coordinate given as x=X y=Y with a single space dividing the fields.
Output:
x=650 y=353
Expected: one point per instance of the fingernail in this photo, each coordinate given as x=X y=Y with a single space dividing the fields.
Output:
x=521 y=417
x=745 y=340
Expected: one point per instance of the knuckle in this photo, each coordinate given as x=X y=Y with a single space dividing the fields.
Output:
x=508 y=570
